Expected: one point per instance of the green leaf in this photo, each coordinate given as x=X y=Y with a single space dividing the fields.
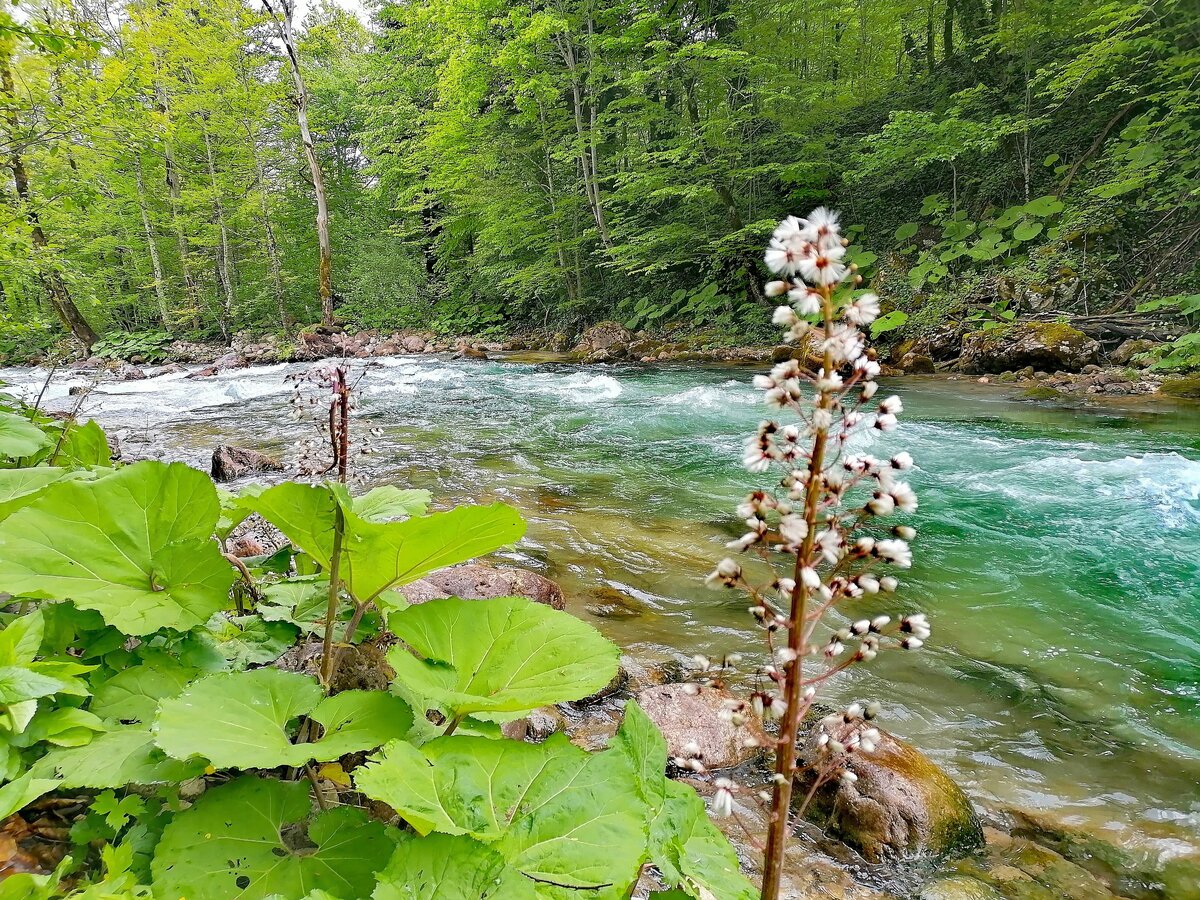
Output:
x=20 y=792
x=117 y=812
x=18 y=683
x=387 y=503
x=1009 y=217
x=906 y=231
x=689 y=850
x=242 y=720
x=19 y=487
x=508 y=655
x=445 y=867
x=124 y=756
x=1041 y=207
x=83 y=445
x=250 y=640
x=893 y=320
x=135 y=546
x=20 y=437
x=133 y=695
x=552 y=811
x=1027 y=231
x=377 y=556
x=230 y=845
x=63 y=727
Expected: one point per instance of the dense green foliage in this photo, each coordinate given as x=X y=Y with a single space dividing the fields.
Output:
x=494 y=164
x=135 y=673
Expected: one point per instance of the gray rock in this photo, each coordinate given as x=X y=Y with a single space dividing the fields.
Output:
x=1050 y=346
x=230 y=463
x=685 y=715
x=480 y=581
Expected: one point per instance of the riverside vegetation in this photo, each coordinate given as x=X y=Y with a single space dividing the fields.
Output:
x=135 y=688
x=485 y=168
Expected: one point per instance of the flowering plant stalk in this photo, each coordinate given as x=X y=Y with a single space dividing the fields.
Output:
x=819 y=528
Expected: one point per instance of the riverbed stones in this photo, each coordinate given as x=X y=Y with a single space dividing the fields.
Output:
x=1052 y=346
x=902 y=804
x=480 y=581
x=917 y=364
x=230 y=463
x=690 y=713
x=606 y=336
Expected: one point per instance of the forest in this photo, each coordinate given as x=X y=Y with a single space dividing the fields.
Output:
x=486 y=167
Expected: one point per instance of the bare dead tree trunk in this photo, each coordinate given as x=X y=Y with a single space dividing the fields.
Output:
x=587 y=150
x=264 y=206
x=281 y=12
x=52 y=281
x=159 y=293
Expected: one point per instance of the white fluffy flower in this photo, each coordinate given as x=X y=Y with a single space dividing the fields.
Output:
x=783 y=258
x=863 y=311
x=904 y=496
x=894 y=551
x=823 y=267
x=722 y=805
x=785 y=317
x=793 y=528
x=807 y=302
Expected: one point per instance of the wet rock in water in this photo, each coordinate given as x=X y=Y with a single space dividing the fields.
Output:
x=1045 y=345
x=614 y=604
x=917 y=364
x=1186 y=386
x=959 y=887
x=901 y=804
x=1125 y=353
x=605 y=336
x=480 y=581
x=171 y=369
x=129 y=372
x=230 y=463
x=535 y=727
x=466 y=351
x=231 y=360
x=78 y=389
x=685 y=715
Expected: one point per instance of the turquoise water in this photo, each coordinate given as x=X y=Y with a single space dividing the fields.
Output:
x=1058 y=557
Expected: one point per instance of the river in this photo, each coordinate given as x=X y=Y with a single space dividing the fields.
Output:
x=1058 y=556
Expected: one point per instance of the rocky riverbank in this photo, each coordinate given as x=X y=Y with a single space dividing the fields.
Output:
x=1050 y=360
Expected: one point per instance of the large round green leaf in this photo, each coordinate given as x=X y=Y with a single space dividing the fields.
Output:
x=555 y=813
x=375 y=555
x=245 y=720
x=503 y=656
x=20 y=437
x=19 y=487
x=123 y=756
x=445 y=867
x=136 y=546
x=230 y=845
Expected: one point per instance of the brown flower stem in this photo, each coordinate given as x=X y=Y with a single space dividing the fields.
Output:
x=339 y=528
x=778 y=829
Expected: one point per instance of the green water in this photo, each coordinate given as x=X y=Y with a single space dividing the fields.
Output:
x=1058 y=557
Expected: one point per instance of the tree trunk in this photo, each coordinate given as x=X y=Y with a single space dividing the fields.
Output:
x=224 y=275
x=51 y=280
x=264 y=206
x=175 y=193
x=159 y=294
x=283 y=23
x=587 y=155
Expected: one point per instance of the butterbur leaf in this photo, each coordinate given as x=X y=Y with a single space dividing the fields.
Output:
x=244 y=720
x=133 y=695
x=445 y=867
x=685 y=845
x=20 y=792
x=503 y=656
x=20 y=437
x=135 y=546
x=555 y=813
x=376 y=556
x=230 y=845
x=83 y=444
x=250 y=640
x=386 y=503
x=126 y=755
x=19 y=487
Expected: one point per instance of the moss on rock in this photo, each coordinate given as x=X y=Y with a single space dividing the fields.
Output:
x=1186 y=386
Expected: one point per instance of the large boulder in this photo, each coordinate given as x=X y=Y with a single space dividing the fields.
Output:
x=413 y=344
x=478 y=581
x=1047 y=346
x=902 y=803
x=230 y=463
x=611 y=336
x=690 y=713
x=231 y=360
x=1125 y=353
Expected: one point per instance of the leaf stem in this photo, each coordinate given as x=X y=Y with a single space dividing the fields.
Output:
x=335 y=560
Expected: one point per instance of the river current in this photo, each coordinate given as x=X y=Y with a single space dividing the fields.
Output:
x=1058 y=555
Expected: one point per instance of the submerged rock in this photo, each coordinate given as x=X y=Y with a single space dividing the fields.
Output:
x=686 y=715
x=901 y=804
x=230 y=463
x=479 y=581
x=1052 y=346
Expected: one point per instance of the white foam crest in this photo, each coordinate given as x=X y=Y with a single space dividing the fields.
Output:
x=580 y=387
x=708 y=397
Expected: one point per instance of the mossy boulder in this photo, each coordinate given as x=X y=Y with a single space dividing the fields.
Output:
x=1186 y=386
x=611 y=336
x=1048 y=346
x=903 y=804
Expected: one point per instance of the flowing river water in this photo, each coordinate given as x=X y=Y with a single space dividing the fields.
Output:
x=1058 y=556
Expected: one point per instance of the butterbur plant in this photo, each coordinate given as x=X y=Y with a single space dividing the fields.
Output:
x=822 y=527
x=323 y=396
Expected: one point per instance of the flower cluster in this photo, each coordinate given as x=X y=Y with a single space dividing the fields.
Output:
x=823 y=527
x=323 y=396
